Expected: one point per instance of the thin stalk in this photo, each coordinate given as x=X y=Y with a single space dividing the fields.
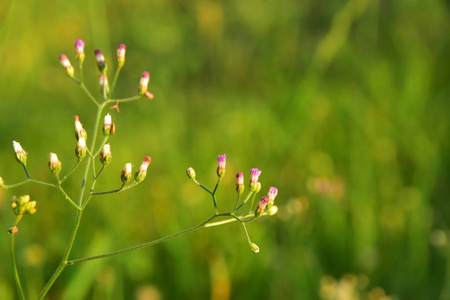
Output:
x=13 y=258
x=16 y=184
x=116 y=75
x=88 y=93
x=37 y=181
x=245 y=200
x=128 y=99
x=68 y=198
x=70 y=172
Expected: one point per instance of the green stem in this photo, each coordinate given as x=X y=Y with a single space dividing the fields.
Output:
x=88 y=93
x=15 y=184
x=116 y=75
x=13 y=258
x=68 y=198
x=134 y=98
x=70 y=172
x=245 y=201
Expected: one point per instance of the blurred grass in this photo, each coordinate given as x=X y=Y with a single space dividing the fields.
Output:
x=342 y=104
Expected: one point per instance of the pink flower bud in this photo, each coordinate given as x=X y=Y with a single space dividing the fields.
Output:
x=125 y=175
x=273 y=192
x=121 y=55
x=221 y=164
x=254 y=175
x=142 y=171
x=190 y=172
x=79 y=130
x=66 y=65
x=101 y=63
x=54 y=164
x=21 y=155
x=105 y=155
x=240 y=183
x=79 y=48
x=261 y=206
x=81 y=148
x=104 y=85
x=143 y=84
x=109 y=128
x=12 y=230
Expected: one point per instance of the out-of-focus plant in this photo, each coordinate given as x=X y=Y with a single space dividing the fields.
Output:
x=100 y=149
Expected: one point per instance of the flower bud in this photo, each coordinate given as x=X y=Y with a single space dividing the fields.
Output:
x=221 y=163
x=101 y=63
x=79 y=130
x=12 y=230
x=257 y=187
x=21 y=155
x=143 y=84
x=142 y=171
x=105 y=155
x=240 y=183
x=66 y=65
x=104 y=85
x=2 y=183
x=125 y=175
x=108 y=126
x=121 y=55
x=254 y=248
x=54 y=164
x=190 y=172
x=148 y=95
x=272 y=211
x=273 y=192
x=81 y=148
x=23 y=205
x=254 y=175
x=79 y=48
x=261 y=206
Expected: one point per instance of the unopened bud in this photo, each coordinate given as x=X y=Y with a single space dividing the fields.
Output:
x=142 y=171
x=23 y=205
x=121 y=55
x=221 y=164
x=79 y=48
x=21 y=155
x=254 y=248
x=66 y=65
x=126 y=174
x=109 y=128
x=79 y=130
x=272 y=210
x=240 y=183
x=190 y=172
x=261 y=206
x=257 y=187
x=54 y=164
x=254 y=175
x=101 y=63
x=81 y=148
x=13 y=230
x=143 y=84
x=273 y=192
x=104 y=85
x=105 y=155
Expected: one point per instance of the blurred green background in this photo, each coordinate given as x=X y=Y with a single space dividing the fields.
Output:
x=341 y=104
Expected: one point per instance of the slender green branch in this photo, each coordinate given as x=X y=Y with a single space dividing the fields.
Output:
x=121 y=189
x=245 y=201
x=68 y=198
x=122 y=100
x=116 y=75
x=13 y=258
x=71 y=171
x=246 y=233
x=10 y=186
x=100 y=148
x=88 y=93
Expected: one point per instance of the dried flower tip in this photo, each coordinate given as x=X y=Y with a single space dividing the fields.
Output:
x=221 y=164
x=66 y=65
x=21 y=155
x=143 y=84
x=121 y=55
x=142 y=171
x=104 y=85
x=81 y=148
x=109 y=128
x=272 y=210
x=101 y=63
x=190 y=172
x=254 y=175
x=13 y=230
x=271 y=194
x=254 y=248
x=148 y=95
x=240 y=183
x=125 y=175
x=105 y=155
x=261 y=206
x=54 y=164
x=79 y=130
x=79 y=48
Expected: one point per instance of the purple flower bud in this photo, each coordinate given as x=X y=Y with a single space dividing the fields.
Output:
x=105 y=155
x=273 y=192
x=261 y=206
x=240 y=183
x=141 y=173
x=221 y=164
x=79 y=48
x=66 y=65
x=21 y=155
x=143 y=84
x=121 y=55
x=54 y=164
x=254 y=175
x=101 y=63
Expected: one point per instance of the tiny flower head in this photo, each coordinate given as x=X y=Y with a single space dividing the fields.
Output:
x=81 y=148
x=109 y=128
x=121 y=55
x=240 y=183
x=104 y=85
x=105 y=155
x=12 y=230
x=273 y=192
x=254 y=248
x=143 y=84
x=221 y=164
x=79 y=130
x=254 y=175
x=54 y=164
x=125 y=175
x=23 y=205
x=261 y=206
x=190 y=172
x=21 y=155
x=79 y=48
x=141 y=173
x=101 y=63
x=66 y=65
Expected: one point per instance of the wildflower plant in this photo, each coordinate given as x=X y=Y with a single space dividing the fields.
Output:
x=90 y=147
